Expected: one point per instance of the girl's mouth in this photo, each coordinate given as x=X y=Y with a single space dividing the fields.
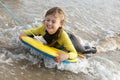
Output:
x=49 y=27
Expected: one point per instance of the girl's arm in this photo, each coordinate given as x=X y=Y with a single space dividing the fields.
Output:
x=66 y=42
x=35 y=31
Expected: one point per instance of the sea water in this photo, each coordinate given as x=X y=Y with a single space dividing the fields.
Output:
x=94 y=22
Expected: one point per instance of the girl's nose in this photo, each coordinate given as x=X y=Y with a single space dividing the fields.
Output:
x=49 y=22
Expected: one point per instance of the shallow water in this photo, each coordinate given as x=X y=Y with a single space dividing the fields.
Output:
x=95 y=22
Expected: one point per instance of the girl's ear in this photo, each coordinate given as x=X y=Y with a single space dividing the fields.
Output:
x=61 y=25
x=62 y=22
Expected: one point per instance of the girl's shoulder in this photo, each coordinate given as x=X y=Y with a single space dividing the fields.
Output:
x=41 y=27
x=64 y=34
x=39 y=30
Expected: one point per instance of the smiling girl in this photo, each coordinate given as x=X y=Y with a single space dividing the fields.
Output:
x=54 y=34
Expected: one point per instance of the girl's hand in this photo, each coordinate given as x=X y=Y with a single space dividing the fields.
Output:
x=61 y=57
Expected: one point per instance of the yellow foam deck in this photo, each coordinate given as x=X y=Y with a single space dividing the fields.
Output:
x=44 y=49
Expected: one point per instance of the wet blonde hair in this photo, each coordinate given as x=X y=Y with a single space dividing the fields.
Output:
x=56 y=11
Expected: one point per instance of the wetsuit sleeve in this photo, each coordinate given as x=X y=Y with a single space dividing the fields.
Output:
x=66 y=42
x=36 y=31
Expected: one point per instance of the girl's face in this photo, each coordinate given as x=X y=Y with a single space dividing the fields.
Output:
x=52 y=23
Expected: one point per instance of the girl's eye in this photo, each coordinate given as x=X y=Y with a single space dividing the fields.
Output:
x=53 y=21
x=47 y=20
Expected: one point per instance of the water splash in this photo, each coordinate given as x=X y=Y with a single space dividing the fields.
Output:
x=98 y=68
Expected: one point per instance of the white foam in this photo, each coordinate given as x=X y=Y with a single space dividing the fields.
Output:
x=96 y=67
x=5 y=59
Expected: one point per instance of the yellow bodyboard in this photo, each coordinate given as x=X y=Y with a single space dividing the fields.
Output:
x=46 y=50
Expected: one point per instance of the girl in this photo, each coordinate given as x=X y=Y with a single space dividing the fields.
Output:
x=53 y=33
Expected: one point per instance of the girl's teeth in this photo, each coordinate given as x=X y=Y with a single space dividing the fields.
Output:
x=49 y=27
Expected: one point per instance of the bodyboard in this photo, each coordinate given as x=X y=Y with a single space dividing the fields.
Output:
x=46 y=50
